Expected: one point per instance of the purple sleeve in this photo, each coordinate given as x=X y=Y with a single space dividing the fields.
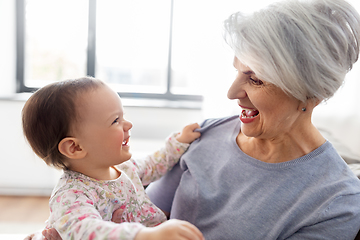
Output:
x=162 y=191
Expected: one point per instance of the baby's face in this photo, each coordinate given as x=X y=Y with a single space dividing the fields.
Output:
x=102 y=129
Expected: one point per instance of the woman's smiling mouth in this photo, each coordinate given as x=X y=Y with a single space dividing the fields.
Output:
x=248 y=115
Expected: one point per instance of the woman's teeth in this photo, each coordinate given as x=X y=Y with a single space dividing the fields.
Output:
x=249 y=113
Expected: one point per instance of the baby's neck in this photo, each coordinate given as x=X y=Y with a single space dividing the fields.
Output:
x=110 y=173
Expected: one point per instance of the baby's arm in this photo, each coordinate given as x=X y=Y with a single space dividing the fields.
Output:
x=172 y=229
x=158 y=164
x=188 y=135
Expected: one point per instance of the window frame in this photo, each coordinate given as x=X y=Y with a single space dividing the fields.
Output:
x=91 y=57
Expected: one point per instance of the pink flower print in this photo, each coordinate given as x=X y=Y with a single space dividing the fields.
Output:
x=152 y=210
x=77 y=191
x=76 y=204
x=83 y=216
x=66 y=203
x=130 y=217
x=90 y=202
x=178 y=149
x=58 y=199
x=149 y=209
x=92 y=236
x=69 y=211
x=115 y=201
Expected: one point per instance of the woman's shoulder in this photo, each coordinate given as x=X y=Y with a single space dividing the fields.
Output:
x=213 y=122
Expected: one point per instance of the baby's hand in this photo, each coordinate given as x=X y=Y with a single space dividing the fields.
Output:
x=51 y=234
x=173 y=229
x=188 y=135
x=34 y=236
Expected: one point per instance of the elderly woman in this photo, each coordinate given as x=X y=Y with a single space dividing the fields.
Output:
x=272 y=175
x=269 y=173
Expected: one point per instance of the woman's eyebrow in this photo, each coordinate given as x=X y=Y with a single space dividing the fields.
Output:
x=248 y=72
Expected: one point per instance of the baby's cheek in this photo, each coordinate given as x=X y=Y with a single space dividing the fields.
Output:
x=119 y=138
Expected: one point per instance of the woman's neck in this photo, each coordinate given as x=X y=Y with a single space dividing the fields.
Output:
x=282 y=148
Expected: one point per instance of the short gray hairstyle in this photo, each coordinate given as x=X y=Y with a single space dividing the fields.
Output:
x=304 y=47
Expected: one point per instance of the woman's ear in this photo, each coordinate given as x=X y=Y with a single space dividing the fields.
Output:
x=70 y=148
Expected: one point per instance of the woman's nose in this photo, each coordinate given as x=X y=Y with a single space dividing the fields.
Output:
x=236 y=91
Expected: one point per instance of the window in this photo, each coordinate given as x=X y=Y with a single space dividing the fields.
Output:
x=159 y=49
x=126 y=43
x=51 y=41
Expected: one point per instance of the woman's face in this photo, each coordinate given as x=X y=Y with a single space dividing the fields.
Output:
x=267 y=111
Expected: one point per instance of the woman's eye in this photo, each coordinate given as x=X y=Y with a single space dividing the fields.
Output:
x=256 y=81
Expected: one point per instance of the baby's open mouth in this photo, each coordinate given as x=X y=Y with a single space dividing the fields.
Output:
x=125 y=142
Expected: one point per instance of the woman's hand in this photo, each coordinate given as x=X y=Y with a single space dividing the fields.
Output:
x=188 y=135
x=173 y=229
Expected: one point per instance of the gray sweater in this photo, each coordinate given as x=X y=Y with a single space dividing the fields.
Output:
x=230 y=195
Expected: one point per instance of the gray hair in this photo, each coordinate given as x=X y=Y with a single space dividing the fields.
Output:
x=304 y=47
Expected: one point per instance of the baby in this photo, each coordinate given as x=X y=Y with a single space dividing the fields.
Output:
x=78 y=126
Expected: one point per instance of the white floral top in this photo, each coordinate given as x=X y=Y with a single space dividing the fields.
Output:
x=81 y=207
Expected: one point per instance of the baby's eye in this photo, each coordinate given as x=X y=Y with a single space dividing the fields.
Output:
x=256 y=81
x=115 y=121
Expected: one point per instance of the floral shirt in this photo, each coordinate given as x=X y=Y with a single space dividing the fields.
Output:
x=81 y=207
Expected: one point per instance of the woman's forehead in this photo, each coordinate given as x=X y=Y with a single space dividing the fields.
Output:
x=242 y=67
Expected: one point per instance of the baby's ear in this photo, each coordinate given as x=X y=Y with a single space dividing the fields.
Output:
x=70 y=148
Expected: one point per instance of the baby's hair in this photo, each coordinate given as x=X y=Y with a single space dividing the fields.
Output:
x=304 y=47
x=50 y=113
